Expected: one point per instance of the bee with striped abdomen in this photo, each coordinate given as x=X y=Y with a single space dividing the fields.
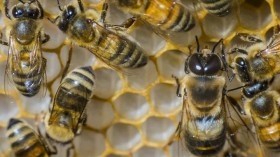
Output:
x=111 y=47
x=264 y=109
x=25 y=64
x=165 y=15
x=217 y=7
x=203 y=124
x=25 y=142
x=67 y=115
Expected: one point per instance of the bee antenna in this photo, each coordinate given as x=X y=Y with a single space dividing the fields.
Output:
x=197 y=44
x=58 y=3
x=21 y=1
x=220 y=41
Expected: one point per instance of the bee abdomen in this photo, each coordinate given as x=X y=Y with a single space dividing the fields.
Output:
x=129 y=55
x=217 y=7
x=28 y=83
x=80 y=83
x=205 y=147
x=23 y=140
x=179 y=20
x=270 y=136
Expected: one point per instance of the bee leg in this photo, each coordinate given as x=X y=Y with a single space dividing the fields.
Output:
x=68 y=151
x=179 y=127
x=67 y=63
x=238 y=50
x=178 y=86
x=104 y=12
x=41 y=9
x=3 y=42
x=124 y=26
x=225 y=64
x=46 y=38
x=248 y=38
x=7 y=9
x=276 y=29
x=82 y=123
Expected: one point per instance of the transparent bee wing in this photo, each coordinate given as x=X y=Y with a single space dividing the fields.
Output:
x=26 y=70
x=117 y=50
x=241 y=135
x=73 y=96
x=273 y=47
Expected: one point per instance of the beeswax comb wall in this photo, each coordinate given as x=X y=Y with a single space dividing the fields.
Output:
x=132 y=114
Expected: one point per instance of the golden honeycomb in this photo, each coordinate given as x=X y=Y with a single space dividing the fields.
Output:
x=134 y=114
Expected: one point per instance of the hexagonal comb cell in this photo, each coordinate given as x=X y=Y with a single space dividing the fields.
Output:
x=255 y=15
x=38 y=103
x=8 y=108
x=80 y=57
x=219 y=27
x=151 y=46
x=100 y=114
x=108 y=83
x=158 y=130
x=164 y=98
x=131 y=106
x=172 y=62
x=90 y=143
x=142 y=77
x=123 y=137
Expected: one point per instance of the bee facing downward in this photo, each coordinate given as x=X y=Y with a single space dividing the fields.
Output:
x=113 y=48
x=166 y=15
x=25 y=142
x=67 y=115
x=25 y=64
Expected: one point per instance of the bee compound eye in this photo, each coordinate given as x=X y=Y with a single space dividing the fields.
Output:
x=33 y=13
x=195 y=65
x=213 y=65
x=17 y=12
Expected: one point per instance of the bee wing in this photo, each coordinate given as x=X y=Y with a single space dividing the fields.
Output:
x=118 y=46
x=242 y=136
x=37 y=63
x=73 y=96
x=273 y=47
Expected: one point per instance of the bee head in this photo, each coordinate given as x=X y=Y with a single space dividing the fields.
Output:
x=27 y=10
x=204 y=64
x=59 y=128
x=66 y=17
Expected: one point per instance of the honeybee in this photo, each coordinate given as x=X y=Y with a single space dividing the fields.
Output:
x=25 y=142
x=166 y=15
x=264 y=109
x=203 y=123
x=217 y=7
x=111 y=47
x=259 y=61
x=256 y=68
x=25 y=64
x=67 y=115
